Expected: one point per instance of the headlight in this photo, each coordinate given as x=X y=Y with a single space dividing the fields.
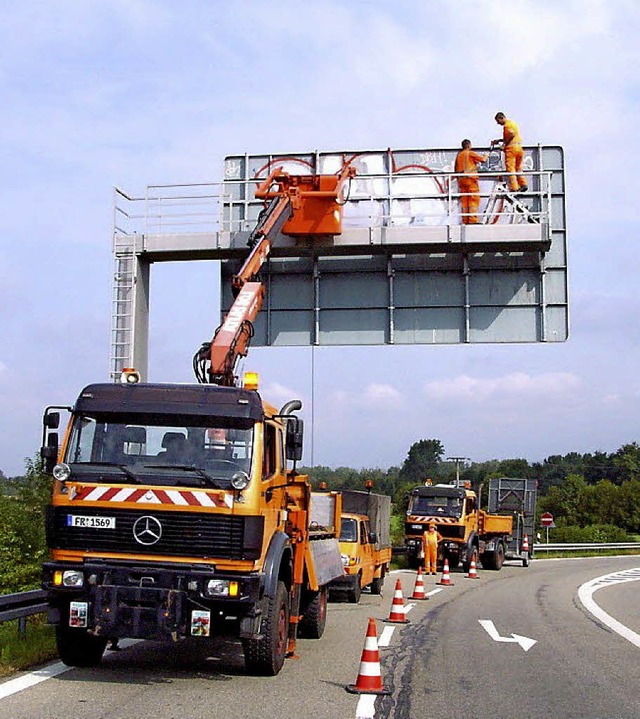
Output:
x=240 y=480
x=222 y=588
x=61 y=472
x=72 y=578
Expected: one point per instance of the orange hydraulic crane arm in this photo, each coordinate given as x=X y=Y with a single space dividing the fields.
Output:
x=315 y=200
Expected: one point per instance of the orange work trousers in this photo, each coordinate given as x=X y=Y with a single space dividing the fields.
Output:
x=469 y=199
x=513 y=156
x=430 y=557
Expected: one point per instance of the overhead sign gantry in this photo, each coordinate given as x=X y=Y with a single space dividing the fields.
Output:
x=403 y=270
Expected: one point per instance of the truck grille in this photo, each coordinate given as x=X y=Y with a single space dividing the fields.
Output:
x=184 y=534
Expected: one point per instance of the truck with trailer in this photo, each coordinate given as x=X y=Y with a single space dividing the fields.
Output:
x=365 y=543
x=467 y=532
x=174 y=512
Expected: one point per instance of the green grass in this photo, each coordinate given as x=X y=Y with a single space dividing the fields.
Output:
x=22 y=651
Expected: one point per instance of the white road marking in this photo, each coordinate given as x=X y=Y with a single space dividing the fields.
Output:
x=434 y=591
x=408 y=608
x=366 y=708
x=585 y=594
x=525 y=642
x=13 y=686
x=385 y=637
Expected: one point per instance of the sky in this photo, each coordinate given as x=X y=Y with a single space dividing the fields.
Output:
x=128 y=93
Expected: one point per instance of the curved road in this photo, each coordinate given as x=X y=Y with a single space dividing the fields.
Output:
x=455 y=657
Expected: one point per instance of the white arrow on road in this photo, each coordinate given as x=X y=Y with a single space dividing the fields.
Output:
x=491 y=630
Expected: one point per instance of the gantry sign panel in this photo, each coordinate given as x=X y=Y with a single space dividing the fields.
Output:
x=406 y=270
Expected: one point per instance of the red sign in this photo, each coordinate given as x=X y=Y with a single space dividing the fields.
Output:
x=546 y=519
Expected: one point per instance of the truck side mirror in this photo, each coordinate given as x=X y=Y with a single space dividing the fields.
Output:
x=373 y=538
x=294 y=438
x=52 y=420
x=49 y=452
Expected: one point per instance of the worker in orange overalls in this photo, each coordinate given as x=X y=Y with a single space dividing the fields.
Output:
x=466 y=166
x=513 y=153
x=430 y=541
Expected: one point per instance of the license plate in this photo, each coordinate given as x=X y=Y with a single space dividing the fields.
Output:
x=74 y=520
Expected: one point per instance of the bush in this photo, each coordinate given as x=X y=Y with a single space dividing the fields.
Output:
x=591 y=533
x=22 y=538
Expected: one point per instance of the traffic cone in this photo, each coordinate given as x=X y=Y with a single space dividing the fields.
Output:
x=473 y=574
x=445 y=581
x=525 y=544
x=397 y=615
x=369 y=679
x=418 y=588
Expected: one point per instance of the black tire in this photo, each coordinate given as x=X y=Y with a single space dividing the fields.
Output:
x=78 y=648
x=354 y=594
x=376 y=584
x=487 y=559
x=315 y=616
x=499 y=557
x=265 y=656
x=413 y=561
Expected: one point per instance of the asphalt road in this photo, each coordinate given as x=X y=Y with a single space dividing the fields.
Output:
x=443 y=663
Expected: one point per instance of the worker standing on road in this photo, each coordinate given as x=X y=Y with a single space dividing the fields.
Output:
x=430 y=541
x=466 y=166
x=511 y=143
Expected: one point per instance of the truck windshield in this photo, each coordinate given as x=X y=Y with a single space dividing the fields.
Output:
x=434 y=506
x=156 y=453
x=348 y=530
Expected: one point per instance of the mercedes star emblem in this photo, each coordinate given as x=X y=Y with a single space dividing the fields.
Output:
x=147 y=530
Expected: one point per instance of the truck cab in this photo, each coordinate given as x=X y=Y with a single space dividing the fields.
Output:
x=359 y=556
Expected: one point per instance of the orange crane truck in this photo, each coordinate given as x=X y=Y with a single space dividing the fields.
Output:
x=468 y=532
x=365 y=543
x=174 y=512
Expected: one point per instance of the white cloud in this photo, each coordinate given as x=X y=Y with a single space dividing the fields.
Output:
x=516 y=385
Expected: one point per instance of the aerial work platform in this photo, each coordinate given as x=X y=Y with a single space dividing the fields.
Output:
x=403 y=270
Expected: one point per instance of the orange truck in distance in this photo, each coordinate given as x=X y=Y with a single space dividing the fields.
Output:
x=365 y=543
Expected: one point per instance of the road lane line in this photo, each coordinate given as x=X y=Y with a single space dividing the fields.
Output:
x=366 y=708
x=13 y=686
x=585 y=594
x=385 y=637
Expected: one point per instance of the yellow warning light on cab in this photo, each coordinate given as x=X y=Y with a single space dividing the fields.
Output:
x=129 y=376
x=251 y=380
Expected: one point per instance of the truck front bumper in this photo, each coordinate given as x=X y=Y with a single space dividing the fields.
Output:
x=126 y=600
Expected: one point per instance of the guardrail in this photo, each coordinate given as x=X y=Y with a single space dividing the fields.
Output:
x=22 y=605
x=585 y=546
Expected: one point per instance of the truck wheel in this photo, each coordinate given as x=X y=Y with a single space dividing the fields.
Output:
x=487 y=559
x=315 y=616
x=78 y=648
x=354 y=594
x=499 y=557
x=376 y=585
x=265 y=656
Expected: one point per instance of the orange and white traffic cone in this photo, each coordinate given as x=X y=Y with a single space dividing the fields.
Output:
x=369 y=679
x=445 y=581
x=525 y=544
x=397 y=615
x=473 y=573
x=418 y=588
